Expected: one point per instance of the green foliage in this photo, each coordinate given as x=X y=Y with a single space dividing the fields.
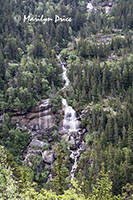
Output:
x=127 y=192
x=30 y=81
x=23 y=188
x=123 y=19
x=56 y=101
x=60 y=182
x=102 y=189
x=14 y=139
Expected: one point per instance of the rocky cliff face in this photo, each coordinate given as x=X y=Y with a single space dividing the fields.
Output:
x=102 y=5
x=39 y=121
x=42 y=125
x=38 y=118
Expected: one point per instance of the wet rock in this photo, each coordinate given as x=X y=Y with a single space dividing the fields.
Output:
x=68 y=115
x=44 y=105
x=83 y=146
x=66 y=125
x=79 y=124
x=38 y=117
x=48 y=156
x=47 y=122
x=77 y=142
x=33 y=134
x=38 y=143
x=72 y=144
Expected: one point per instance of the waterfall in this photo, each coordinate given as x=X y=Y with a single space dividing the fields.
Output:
x=47 y=119
x=70 y=124
x=70 y=121
x=90 y=6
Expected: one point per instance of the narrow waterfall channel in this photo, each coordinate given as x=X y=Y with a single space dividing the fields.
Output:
x=40 y=122
x=71 y=125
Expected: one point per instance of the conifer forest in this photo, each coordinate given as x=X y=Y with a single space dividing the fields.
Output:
x=66 y=100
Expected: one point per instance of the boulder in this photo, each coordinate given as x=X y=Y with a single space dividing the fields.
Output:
x=72 y=144
x=38 y=143
x=48 y=156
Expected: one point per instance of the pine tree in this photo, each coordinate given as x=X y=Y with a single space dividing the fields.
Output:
x=2 y=70
x=60 y=181
x=102 y=189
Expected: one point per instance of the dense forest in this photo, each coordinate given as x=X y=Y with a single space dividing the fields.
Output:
x=94 y=41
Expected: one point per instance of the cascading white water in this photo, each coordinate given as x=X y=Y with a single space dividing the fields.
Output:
x=70 y=123
x=90 y=6
x=64 y=75
x=75 y=156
